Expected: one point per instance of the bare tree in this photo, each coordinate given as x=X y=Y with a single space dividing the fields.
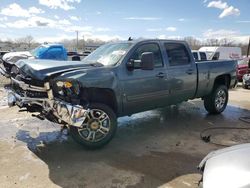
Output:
x=194 y=43
x=27 y=41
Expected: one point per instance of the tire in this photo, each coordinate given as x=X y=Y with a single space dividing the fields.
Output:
x=244 y=86
x=95 y=133
x=216 y=102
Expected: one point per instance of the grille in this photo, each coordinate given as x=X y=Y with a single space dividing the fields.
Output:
x=20 y=76
x=32 y=94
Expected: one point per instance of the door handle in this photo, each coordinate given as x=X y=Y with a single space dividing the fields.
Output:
x=190 y=71
x=160 y=75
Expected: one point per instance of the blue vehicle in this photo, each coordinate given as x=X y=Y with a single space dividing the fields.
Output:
x=44 y=51
x=50 y=51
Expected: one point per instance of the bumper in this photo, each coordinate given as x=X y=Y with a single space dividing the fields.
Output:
x=16 y=99
x=67 y=113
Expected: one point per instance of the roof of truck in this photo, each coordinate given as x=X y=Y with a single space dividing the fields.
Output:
x=52 y=44
x=150 y=40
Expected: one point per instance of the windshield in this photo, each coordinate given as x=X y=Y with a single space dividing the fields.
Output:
x=108 y=54
x=37 y=51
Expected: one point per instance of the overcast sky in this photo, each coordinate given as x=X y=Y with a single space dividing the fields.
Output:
x=53 y=20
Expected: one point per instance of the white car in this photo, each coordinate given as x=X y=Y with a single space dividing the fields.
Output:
x=227 y=168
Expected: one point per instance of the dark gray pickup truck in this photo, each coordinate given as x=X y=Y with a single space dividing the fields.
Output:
x=118 y=79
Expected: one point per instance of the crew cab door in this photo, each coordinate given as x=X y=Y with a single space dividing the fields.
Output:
x=182 y=71
x=144 y=89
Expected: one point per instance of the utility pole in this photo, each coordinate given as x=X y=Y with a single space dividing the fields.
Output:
x=83 y=46
x=76 y=40
x=248 y=47
x=248 y=53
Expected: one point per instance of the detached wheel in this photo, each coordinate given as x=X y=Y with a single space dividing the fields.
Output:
x=98 y=128
x=216 y=102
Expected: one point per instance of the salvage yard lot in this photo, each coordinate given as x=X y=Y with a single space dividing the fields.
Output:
x=151 y=149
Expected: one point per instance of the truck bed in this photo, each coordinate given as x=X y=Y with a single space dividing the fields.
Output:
x=208 y=71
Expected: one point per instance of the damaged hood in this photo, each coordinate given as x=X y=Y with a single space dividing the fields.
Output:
x=13 y=57
x=41 y=69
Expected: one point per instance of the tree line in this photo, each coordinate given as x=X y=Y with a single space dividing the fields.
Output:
x=28 y=42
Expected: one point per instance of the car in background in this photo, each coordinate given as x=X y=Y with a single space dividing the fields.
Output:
x=86 y=53
x=74 y=56
x=227 y=168
x=44 y=51
x=199 y=56
x=72 y=53
x=242 y=68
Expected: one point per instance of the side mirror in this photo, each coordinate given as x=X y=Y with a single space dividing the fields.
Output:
x=147 y=61
x=130 y=65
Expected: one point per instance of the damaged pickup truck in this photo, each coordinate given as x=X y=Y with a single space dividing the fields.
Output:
x=118 y=79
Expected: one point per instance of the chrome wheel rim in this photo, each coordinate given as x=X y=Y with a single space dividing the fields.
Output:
x=96 y=126
x=220 y=100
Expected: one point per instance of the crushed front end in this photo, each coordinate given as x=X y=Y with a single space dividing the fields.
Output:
x=47 y=98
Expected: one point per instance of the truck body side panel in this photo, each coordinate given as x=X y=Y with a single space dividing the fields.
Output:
x=208 y=71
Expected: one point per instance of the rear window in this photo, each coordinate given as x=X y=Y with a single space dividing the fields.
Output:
x=203 y=56
x=177 y=54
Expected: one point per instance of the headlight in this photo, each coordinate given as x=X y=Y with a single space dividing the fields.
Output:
x=67 y=88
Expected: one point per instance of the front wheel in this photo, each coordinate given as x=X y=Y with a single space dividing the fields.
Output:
x=98 y=128
x=216 y=102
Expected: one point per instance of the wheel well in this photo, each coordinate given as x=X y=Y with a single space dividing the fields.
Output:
x=223 y=80
x=97 y=95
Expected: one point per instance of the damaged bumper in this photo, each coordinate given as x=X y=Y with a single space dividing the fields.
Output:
x=73 y=115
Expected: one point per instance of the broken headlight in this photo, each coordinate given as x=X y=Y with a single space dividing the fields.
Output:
x=67 y=88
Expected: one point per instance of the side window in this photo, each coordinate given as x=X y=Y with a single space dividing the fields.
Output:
x=154 y=48
x=177 y=54
x=203 y=56
x=54 y=53
x=195 y=54
x=216 y=56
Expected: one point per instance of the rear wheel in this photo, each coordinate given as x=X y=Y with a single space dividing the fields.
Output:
x=98 y=128
x=216 y=102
